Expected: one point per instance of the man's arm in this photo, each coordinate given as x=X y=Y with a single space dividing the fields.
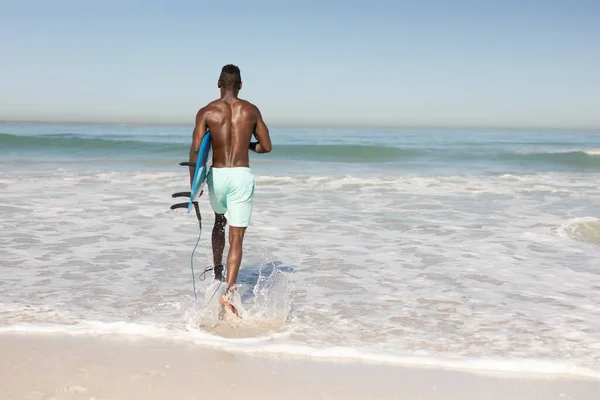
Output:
x=197 y=136
x=261 y=133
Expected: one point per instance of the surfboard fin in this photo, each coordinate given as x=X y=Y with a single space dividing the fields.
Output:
x=182 y=205
x=181 y=194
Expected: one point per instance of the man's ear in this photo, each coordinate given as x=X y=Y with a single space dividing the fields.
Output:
x=219 y=84
x=240 y=86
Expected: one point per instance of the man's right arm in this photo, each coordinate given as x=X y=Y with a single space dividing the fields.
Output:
x=261 y=133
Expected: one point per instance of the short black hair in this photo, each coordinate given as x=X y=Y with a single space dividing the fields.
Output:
x=230 y=78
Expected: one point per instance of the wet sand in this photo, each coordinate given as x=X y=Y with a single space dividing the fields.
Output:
x=44 y=367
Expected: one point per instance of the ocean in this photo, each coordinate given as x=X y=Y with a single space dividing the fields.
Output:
x=454 y=248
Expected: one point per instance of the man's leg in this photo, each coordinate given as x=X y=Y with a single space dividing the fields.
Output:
x=218 y=244
x=240 y=201
x=234 y=259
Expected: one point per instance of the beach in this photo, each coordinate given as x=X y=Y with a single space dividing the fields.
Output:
x=59 y=367
x=419 y=264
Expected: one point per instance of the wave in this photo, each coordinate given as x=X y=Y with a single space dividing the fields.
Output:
x=344 y=153
x=584 y=230
x=268 y=345
x=163 y=147
x=70 y=142
x=82 y=144
x=582 y=158
x=578 y=158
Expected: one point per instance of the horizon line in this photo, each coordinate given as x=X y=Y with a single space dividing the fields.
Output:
x=319 y=126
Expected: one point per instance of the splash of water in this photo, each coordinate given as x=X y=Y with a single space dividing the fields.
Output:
x=262 y=299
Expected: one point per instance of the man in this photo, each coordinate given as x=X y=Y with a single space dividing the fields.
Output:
x=232 y=122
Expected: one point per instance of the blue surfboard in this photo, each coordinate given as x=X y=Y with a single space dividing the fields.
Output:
x=203 y=164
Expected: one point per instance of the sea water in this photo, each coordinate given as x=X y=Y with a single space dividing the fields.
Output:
x=471 y=249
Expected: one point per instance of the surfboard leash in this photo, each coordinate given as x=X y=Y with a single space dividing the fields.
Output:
x=207 y=269
x=192 y=263
x=199 y=217
x=215 y=292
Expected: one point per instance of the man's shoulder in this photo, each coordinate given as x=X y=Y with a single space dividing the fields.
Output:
x=214 y=105
x=249 y=106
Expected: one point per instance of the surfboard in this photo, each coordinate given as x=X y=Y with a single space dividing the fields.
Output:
x=201 y=168
x=203 y=164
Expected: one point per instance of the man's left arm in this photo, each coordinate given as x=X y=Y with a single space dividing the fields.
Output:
x=197 y=136
x=261 y=133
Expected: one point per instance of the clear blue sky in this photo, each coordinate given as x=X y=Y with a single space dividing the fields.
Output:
x=434 y=63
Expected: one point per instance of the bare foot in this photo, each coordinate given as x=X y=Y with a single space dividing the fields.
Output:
x=225 y=302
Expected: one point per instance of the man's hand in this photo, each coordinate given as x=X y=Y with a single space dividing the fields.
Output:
x=257 y=147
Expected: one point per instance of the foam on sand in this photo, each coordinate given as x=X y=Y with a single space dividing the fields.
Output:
x=58 y=367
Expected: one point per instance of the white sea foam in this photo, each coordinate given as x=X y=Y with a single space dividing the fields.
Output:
x=586 y=229
x=404 y=268
x=562 y=150
x=263 y=345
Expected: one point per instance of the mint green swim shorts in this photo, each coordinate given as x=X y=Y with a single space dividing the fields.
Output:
x=231 y=192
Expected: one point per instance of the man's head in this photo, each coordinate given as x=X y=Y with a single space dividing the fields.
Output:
x=231 y=78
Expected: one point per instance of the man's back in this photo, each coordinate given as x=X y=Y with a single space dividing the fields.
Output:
x=231 y=122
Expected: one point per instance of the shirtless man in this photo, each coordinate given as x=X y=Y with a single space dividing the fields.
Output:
x=232 y=123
